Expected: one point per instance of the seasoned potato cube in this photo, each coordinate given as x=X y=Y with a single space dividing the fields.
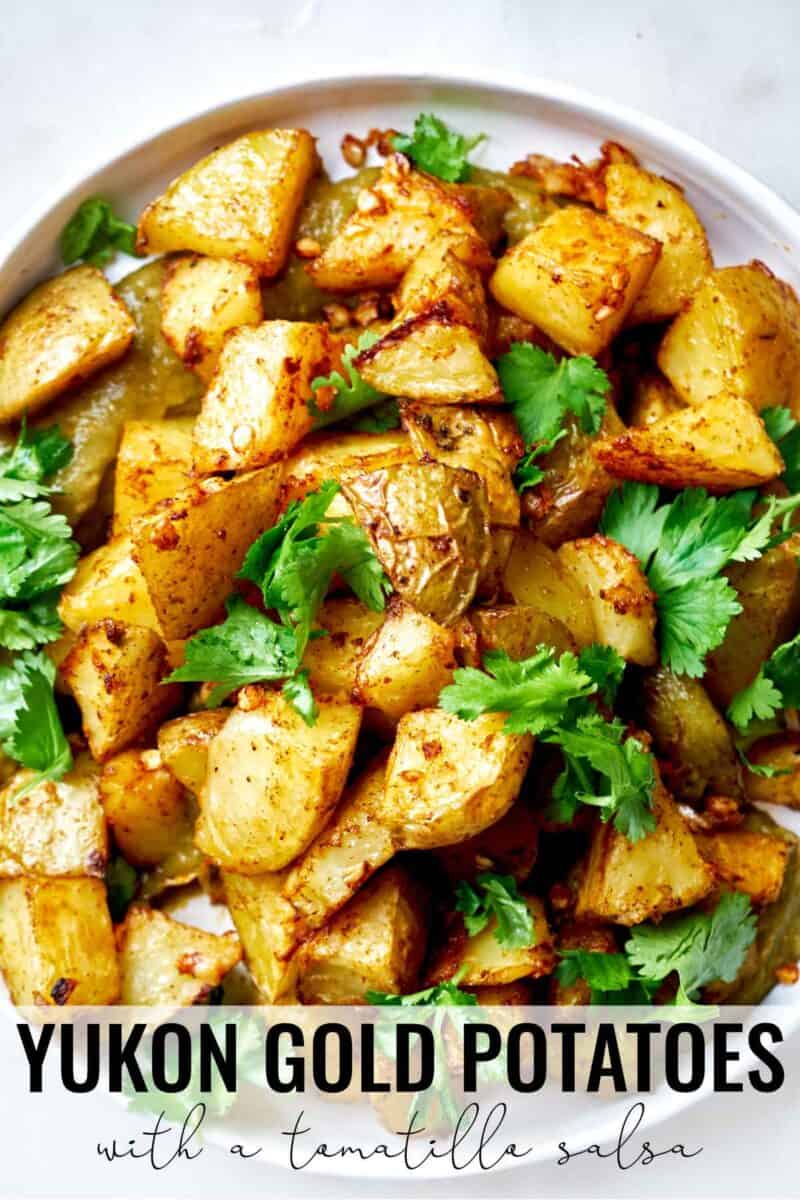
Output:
x=145 y=806
x=203 y=299
x=654 y=398
x=183 y=745
x=485 y=442
x=256 y=408
x=519 y=629
x=326 y=456
x=576 y=276
x=268 y=928
x=62 y=332
x=630 y=882
x=107 y=583
x=165 y=963
x=114 y=672
x=57 y=828
x=429 y=525
x=154 y=462
x=509 y=846
x=581 y=935
x=622 y=603
x=272 y=780
x=754 y=863
x=407 y=663
x=740 y=335
x=536 y=577
x=332 y=661
x=350 y=848
x=239 y=202
x=57 y=943
x=721 y=445
x=448 y=268
x=659 y=208
x=376 y=942
x=768 y=590
x=488 y=964
x=191 y=547
x=448 y=779
x=782 y=752
x=516 y=995
x=394 y=220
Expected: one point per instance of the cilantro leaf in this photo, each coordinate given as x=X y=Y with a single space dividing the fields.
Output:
x=776 y=686
x=693 y=620
x=785 y=433
x=499 y=899
x=605 y=667
x=380 y=419
x=37 y=552
x=36 y=456
x=604 y=972
x=94 y=233
x=121 y=883
x=34 y=625
x=447 y=993
x=297 y=691
x=632 y=516
x=350 y=395
x=30 y=727
x=436 y=149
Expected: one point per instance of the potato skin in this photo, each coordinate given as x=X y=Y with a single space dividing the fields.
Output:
x=519 y=630
x=323 y=456
x=406 y=663
x=145 y=806
x=202 y=300
x=57 y=829
x=63 y=331
x=622 y=602
x=168 y=964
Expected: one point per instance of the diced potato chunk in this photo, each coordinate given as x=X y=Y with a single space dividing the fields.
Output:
x=62 y=332
x=108 y=583
x=114 y=672
x=782 y=752
x=145 y=806
x=239 y=202
x=57 y=943
x=448 y=268
x=740 y=335
x=267 y=926
x=183 y=745
x=326 y=456
x=623 y=605
x=273 y=780
x=744 y=861
x=167 y=964
x=630 y=882
x=202 y=300
x=659 y=208
x=721 y=445
x=332 y=661
x=55 y=829
x=449 y=779
x=488 y=964
x=392 y=223
x=377 y=942
x=191 y=547
x=256 y=408
x=654 y=397
x=154 y=462
x=509 y=847
x=576 y=276
x=407 y=663
x=536 y=577
x=519 y=630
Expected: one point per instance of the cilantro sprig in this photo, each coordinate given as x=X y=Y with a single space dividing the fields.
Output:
x=785 y=433
x=95 y=233
x=351 y=395
x=448 y=994
x=776 y=686
x=435 y=148
x=698 y=947
x=496 y=896
x=30 y=726
x=541 y=392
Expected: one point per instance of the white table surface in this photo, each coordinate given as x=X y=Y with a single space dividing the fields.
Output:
x=79 y=79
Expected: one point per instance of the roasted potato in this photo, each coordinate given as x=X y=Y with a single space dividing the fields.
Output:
x=202 y=300
x=654 y=398
x=576 y=276
x=183 y=745
x=332 y=661
x=272 y=780
x=145 y=805
x=509 y=846
x=267 y=925
x=406 y=664
x=240 y=202
x=166 y=964
x=63 y=331
x=536 y=577
x=782 y=752
x=623 y=606
x=487 y=962
x=325 y=456
x=107 y=583
x=519 y=630
x=449 y=268
x=153 y=463
x=56 y=829
x=744 y=861
x=581 y=935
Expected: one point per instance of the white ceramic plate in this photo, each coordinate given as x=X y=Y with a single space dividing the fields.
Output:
x=744 y=220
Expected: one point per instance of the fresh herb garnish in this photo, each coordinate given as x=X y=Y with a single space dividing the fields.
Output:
x=350 y=395
x=436 y=149
x=496 y=896
x=94 y=233
x=447 y=993
x=30 y=727
x=380 y=419
x=776 y=686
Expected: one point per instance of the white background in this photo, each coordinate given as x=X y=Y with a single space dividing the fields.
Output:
x=80 y=79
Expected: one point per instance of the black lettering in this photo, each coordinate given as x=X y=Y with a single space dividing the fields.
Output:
x=776 y=1075
x=35 y=1052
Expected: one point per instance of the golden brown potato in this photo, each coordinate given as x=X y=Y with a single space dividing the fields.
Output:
x=769 y=593
x=154 y=462
x=536 y=577
x=659 y=208
x=519 y=630
x=740 y=335
x=57 y=943
x=654 y=398
x=332 y=661
x=694 y=745
x=239 y=202
x=326 y=456
x=488 y=964
x=63 y=331
x=509 y=846
x=448 y=268
x=272 y=780
x=165 y=963
x=257 y=406
x=576 y=276
x=55 y=829
x=781 y=751
x=623 y=606
x=376 y=942
x=107 y=583
x=191 y=547
x=429 y=526
x=406 y=664
x=721 y=445
x=114 y=671
x=202 y=300
x=580 y=935
x=183 y=745
x=146 y=807
x=267 y=926
x=393 y=221
x=744 y=861
x=630 y=882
